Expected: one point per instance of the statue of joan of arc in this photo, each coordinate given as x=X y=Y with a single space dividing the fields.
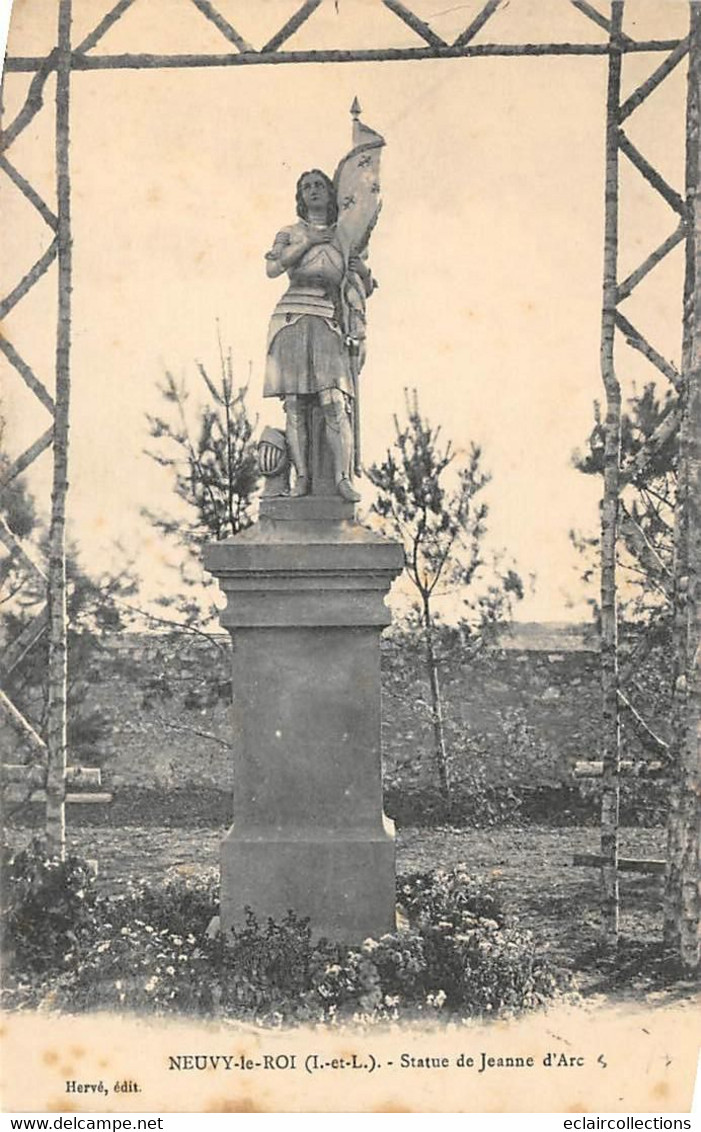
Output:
x=316 y=339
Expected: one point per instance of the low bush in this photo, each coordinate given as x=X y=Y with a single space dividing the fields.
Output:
x=149 y=950
x=181 y=906
x=269 y=968
x=47 y=907
x=137 y=968
x=410 y=802
x=429 y=897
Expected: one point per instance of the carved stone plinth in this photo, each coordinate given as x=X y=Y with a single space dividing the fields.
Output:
x=305 y=607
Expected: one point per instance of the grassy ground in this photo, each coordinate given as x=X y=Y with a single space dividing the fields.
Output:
x=559 y=902
x=530 y=867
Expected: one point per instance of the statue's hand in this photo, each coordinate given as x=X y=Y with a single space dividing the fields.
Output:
x=356 y=264
x=361 y=269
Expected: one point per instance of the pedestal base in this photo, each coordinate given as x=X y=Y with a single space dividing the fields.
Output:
x=345 y=885
x=305 y=591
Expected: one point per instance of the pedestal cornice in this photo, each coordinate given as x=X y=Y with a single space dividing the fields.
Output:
x=305 y=572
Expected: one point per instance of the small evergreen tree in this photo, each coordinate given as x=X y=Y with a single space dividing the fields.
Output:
x=649 y=443
x=436 y=511
x=93 y=608
x=645 y=561
x=654 y=668
x=211 y=456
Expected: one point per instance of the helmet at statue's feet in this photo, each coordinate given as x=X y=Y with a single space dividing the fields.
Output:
x=301 y=487
x=346 y=491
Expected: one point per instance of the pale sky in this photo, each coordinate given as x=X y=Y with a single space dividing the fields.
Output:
x=488 y=251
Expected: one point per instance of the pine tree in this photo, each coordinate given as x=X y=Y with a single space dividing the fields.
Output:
x=211 y=456
x=436 y=511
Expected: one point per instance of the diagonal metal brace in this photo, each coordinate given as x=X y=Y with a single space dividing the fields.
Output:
x=415 y=23
x=645 y=733
x=628 y=285
x=595 y=15
x=635 y=339
x=17 y=551
x=654 y=80
x=26 y=640
x=21 y=725
x=228 y=30
x=288 y=29
x=104 y=26
x=664 y=432
x=27 y=374
x=32 y=103
x=28 y=457
x=35 y=273
x=648 y=171
x=29 y=192
x=647 y=555
x=478 y=23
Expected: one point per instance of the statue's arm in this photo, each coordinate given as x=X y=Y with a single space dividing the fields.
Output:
x=285 y=253
x=359 y=266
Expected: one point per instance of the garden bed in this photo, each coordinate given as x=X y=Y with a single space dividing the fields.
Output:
x=529 y=868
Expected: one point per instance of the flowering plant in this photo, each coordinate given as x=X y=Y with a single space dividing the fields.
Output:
x=149 y=949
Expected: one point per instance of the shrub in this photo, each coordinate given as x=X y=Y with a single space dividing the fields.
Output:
x=482 y=967
x=428 y=897
x=474 y=960
x=269 y=967
x=148 y=949
x=48 y=907
x=135 y=967
x=183 y=906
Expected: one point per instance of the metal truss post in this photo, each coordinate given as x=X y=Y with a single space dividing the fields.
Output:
x=611 y=730
x=681 y=921
x=58 y=659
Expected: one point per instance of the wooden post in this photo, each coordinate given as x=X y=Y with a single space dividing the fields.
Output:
x=609 y=507
x=56 y=715
x=682 y=874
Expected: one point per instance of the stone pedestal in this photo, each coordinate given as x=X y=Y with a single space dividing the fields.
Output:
x=305 y=607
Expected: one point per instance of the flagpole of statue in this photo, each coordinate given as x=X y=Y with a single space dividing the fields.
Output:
x=357 y=182
x=306 y=588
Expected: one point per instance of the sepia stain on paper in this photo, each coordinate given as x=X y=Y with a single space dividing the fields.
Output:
x=241 y=1104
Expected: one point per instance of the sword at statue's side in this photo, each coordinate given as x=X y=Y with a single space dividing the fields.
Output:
x=355 y=374
x=357 y=183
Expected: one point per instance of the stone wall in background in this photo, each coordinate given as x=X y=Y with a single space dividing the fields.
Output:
x=523 y=710
x=166 y=699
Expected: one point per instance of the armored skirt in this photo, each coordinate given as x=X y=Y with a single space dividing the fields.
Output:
x=306 y=350
x=306 y=357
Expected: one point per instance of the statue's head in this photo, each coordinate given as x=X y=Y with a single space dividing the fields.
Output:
x=313 y=187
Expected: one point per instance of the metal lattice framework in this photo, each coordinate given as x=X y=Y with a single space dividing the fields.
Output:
x=67 y=59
